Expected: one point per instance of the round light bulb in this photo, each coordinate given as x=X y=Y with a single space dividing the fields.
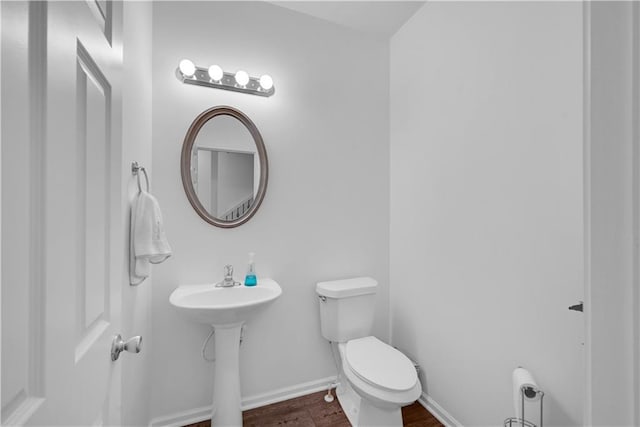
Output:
x=187 y=67
x=266 y=82
x=242 y=78
x=215 y=73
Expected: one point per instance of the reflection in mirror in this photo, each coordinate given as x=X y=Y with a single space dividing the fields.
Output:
x=224 y=181
x=224 y=168
x=224 y=155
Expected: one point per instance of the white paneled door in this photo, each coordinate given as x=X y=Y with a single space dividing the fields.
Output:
x=61 y=230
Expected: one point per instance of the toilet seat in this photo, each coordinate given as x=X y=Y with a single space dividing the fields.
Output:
x=380 y=365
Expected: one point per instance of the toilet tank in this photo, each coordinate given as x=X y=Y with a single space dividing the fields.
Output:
x=347 y=308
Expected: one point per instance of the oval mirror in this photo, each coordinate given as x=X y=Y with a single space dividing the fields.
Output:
x=224 y=167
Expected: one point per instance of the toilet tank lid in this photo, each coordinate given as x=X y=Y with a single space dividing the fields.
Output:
x=347 y=287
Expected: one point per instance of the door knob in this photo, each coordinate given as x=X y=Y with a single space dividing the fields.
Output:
x=133 y=345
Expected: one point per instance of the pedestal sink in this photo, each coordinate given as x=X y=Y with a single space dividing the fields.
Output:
x=226 y=309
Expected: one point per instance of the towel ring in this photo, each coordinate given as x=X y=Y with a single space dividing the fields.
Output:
x=135 y=169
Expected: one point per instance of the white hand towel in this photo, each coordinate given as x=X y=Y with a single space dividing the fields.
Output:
x=149 y=243
x=133 y=278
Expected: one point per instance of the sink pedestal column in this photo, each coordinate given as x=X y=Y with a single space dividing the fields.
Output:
x=226 y=380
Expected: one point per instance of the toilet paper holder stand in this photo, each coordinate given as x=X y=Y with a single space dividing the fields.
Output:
x=530 y=392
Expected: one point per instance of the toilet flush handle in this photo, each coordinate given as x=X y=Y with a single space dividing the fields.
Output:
x=577 y=307
x=322 y=298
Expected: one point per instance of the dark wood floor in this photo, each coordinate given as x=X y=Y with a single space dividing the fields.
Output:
x=312 y=411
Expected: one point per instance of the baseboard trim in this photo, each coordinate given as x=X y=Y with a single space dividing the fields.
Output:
x=438 y=411
x=286 y=393
x=250 y=402
x=182 y=418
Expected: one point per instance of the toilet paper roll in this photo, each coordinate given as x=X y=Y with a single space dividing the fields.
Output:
x=523 y=378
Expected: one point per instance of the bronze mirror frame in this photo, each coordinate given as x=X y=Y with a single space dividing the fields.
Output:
x=185 y=164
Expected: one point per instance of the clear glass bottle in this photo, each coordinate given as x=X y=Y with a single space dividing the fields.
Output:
x=250 y=279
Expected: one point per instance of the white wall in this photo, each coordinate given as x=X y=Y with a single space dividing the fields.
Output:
x=0 y=220
x=136 y=145
x=610 y=179
x=486 y=203
x=317 y=222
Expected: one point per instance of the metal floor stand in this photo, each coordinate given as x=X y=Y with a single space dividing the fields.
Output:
x=514 y=421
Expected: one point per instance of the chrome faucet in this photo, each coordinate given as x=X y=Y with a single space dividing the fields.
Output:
x=228 y=281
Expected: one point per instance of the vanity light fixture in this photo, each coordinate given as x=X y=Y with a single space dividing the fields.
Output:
x=216 y=73
x=214 y=76
x=266 y=82
x=187 y=68
x=242 y=78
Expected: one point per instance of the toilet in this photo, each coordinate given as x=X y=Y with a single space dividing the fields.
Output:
x=375 y=380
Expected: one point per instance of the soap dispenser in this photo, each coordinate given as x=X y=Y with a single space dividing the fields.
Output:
x=250 y=279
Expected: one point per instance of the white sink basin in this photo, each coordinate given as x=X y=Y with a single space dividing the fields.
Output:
x=223 y=306
x=226 y=309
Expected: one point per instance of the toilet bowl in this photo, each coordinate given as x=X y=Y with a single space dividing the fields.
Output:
x=375 y=379
x=383 y=379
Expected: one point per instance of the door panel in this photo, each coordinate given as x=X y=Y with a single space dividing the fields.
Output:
x=61 y=182
x=22 y=213
x=93 y=94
